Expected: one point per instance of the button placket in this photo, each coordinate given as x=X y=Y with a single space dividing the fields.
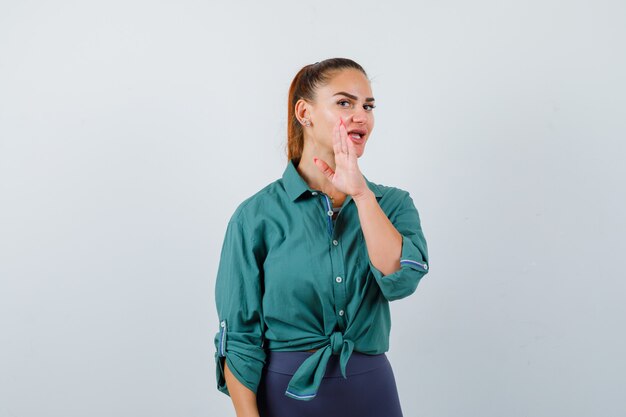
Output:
x=337 y=264
x=329 y=214
x=338 y=287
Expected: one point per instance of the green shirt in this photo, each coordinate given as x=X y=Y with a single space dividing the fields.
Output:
x=292 y=279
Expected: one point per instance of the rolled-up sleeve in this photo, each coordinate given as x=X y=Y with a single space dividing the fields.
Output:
x=238 y=294
x=414 y=255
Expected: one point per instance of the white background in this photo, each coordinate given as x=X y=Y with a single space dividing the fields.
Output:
x=130 y=131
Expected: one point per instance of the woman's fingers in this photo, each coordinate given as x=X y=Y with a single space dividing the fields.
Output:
x=343 y=135
x=324 y=168
x=345 y=159
x=337 y=139
x=351 y=149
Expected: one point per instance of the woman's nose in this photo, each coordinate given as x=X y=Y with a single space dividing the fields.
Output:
x=359 y=116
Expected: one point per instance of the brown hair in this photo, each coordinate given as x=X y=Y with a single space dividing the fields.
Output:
x=303 y=86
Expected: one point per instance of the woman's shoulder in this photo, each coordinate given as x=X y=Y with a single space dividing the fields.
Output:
x=257 y=203
x=388 y=193
x=393 y=199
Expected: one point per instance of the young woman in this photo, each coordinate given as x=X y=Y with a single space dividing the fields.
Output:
x=310 y=262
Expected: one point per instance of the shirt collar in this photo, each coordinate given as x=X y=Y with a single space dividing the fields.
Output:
x=296 y=186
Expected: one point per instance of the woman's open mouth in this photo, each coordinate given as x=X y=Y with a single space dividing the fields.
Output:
x=357 y=135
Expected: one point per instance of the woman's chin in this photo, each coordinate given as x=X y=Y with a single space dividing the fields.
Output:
x=360 y=150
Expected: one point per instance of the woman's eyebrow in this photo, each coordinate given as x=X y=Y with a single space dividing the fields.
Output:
x=352 y=96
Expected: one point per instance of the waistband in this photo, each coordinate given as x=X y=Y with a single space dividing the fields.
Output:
x=287 y=363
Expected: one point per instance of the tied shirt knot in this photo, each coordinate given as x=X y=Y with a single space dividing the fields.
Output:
x=306 y=380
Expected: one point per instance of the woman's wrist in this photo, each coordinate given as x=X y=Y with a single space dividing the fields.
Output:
x=366 y=195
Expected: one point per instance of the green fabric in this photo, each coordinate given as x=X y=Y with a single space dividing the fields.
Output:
x=292 y=279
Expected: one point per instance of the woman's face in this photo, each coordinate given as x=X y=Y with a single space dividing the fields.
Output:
x=347 y=95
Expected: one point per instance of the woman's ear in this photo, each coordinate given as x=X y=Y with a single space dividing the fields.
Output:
x=302 y=110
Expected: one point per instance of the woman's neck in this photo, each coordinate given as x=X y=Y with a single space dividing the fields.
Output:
x=316 y=178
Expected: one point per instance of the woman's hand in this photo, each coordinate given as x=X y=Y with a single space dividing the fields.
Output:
x=347 y=176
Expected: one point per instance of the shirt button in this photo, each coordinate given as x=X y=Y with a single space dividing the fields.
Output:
x=341 y=312
x=314 y=193
x=335 y=242
x=338 y=279
x=425 y=266
x=223 y=323
x=330 y=213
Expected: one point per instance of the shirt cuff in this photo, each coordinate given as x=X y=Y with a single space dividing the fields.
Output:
x=245 y=361
x=403 y=282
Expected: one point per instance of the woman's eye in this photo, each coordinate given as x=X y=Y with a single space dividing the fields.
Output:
x=368 y=107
